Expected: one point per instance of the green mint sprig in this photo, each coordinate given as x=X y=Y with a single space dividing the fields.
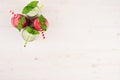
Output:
x=29 y=7
x=32 y=31
x=42 y=20
x=20 y=25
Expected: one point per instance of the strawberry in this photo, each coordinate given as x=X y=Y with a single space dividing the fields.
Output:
x=19 y=21
x=41 y=23
x=37 y=24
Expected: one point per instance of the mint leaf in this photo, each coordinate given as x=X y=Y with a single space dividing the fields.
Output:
x=35 y=32
x=33 y=4
x=21 y=22
x=44 y=27
x=42 y=20
x=32 y=31
x=29 y=29
x=29 y=7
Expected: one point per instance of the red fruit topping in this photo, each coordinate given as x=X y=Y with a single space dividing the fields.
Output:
x=37 y=24
x=15 y=20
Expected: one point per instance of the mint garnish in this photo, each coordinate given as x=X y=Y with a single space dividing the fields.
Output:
x=42 y=20
x=29 y=7
x=44 y=27
x=32 y=31
x=20 y=25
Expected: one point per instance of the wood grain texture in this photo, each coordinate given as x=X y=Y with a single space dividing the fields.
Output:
x=82 y=42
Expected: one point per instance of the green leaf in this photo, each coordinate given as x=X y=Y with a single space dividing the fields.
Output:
x=42 y=20
x=29 y=29
x=20 y=25
x=44 y=27
x=29 y=7
x=35 y=32
x=32 y=31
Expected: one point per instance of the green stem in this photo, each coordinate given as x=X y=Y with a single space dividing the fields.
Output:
x=26 y=41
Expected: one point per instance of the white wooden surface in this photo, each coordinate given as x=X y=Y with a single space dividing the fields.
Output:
x=83 y=42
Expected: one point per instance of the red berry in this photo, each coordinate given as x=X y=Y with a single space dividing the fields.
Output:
x=15 y=21
x=37 y=24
